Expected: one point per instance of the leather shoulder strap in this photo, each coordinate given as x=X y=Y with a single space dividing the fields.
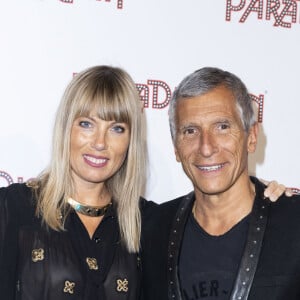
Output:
x=248 y=265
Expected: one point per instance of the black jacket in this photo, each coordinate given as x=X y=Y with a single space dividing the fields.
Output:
x=37 y=263
x=270 y=266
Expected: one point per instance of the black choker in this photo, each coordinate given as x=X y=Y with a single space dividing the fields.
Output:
x=91 y=211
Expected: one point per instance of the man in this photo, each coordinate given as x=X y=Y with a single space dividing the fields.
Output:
x=224 y=240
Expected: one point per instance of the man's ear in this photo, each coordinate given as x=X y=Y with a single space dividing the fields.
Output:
x=177 y=155
x=252 y=138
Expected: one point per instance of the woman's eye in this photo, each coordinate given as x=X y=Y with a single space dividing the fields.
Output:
x=85 y=124
x=118 y=129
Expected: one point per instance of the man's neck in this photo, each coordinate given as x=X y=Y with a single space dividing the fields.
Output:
x=217 y=214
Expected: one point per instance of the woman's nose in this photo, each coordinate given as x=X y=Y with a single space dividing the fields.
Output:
x=99 y=141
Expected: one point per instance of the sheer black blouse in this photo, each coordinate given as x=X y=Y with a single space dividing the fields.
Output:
x=39 y=263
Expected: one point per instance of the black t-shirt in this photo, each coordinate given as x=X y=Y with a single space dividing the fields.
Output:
x=208 y=264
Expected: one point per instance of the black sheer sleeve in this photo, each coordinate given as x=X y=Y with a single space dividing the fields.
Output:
x=15 y=209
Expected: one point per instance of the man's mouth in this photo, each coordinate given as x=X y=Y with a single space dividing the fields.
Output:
x=210 y=168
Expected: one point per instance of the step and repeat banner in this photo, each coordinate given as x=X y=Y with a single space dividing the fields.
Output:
x=45 y=42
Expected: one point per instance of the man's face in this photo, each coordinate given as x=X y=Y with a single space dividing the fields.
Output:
x=211 y=142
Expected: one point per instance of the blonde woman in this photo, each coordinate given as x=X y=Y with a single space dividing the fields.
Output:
x=74 y=232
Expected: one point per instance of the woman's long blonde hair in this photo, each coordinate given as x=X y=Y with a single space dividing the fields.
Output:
x=113 y=93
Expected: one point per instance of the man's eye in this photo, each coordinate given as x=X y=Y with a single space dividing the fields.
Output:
x=85 y=124
x=189 y=131
x=223 y=126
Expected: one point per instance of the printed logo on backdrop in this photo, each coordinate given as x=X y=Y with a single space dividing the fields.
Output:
x=119 y=2
x=6 y=179
x=156 y=94
x=281 y=13
x=155 y=91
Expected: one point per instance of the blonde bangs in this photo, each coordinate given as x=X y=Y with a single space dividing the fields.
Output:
x=110 y=101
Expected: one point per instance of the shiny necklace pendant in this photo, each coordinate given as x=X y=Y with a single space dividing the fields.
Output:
x=91 y=211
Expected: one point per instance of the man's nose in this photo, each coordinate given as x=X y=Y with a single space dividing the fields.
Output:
x=207 y=144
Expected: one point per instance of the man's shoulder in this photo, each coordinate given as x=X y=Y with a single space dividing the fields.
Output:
x=288 y=203
x=286 y=212
x=164 y=212
x=148 y=205
x=176 y=203
x=169 y=209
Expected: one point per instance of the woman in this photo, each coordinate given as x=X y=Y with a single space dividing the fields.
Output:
x=73 y=233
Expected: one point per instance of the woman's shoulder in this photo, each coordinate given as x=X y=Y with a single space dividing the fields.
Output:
x=16 y=189
x=17 y=196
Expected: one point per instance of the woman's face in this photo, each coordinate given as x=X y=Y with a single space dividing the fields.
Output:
x=98 y=149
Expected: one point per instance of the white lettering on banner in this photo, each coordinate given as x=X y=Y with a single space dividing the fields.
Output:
x=156 y=87
x=284 y=12
x=4 y=175
x=119 y=2
x=143 y=90
x=260 y=102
